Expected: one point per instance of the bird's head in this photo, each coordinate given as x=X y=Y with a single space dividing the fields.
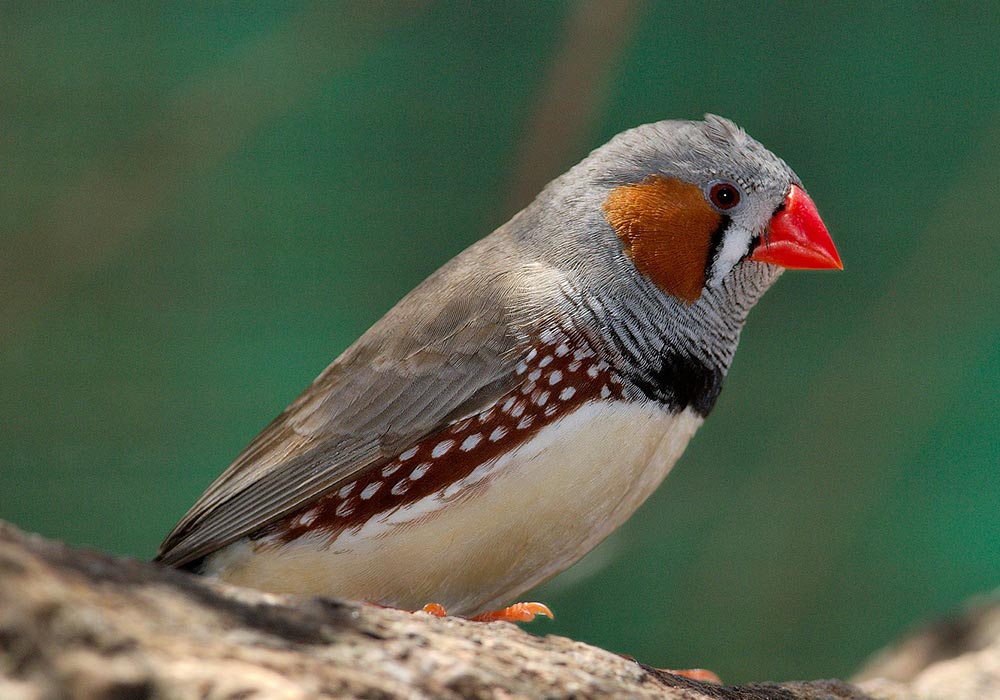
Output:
x=696 y=200
x=690 y=206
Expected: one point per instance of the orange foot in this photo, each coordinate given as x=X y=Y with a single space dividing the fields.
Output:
x=518 y=612
x=697 y=674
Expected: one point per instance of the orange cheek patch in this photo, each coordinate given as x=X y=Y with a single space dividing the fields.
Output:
x=667 y=227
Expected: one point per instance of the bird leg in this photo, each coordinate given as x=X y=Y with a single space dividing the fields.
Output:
x=518 y=612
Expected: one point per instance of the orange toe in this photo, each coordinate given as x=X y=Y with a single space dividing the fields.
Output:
x=697 y=674
x=518 y=612
x=435 y=609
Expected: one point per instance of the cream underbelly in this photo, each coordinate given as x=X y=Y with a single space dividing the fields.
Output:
x=533 y=512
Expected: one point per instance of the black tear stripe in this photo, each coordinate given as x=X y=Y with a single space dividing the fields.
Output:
x=715 y=245
x=682 y=382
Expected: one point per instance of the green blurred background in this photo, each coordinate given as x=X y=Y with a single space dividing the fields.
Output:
x=203 y=205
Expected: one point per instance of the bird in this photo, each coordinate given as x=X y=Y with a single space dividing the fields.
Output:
x=519 y=404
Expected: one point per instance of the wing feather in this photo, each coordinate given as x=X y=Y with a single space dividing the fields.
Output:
x=388 y=390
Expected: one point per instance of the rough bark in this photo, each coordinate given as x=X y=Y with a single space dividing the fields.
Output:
x=79 y=624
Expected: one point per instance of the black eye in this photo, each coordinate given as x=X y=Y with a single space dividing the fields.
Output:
x=724 y=195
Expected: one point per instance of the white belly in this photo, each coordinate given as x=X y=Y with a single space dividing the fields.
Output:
x=533 y=512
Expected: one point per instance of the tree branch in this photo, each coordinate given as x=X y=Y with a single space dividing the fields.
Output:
x=80 y=624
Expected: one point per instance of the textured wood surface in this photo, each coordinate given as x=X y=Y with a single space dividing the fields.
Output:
x=79 y=624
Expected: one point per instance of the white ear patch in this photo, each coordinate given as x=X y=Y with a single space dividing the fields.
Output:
x=735 y=245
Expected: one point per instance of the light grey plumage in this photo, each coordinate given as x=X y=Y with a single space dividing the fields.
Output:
x=449 y=349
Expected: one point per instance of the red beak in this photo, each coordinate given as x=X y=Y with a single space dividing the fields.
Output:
x=798 y=239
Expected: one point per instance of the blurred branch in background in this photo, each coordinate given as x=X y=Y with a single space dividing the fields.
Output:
x=110 y=205
x=571 y=94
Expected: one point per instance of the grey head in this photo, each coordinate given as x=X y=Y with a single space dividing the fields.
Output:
x=652 y=235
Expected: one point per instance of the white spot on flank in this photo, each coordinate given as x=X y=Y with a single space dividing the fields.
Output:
x=574 y=365
x=400 y=487
x=534 y=374
x=580 y=354
x=521 y=368
x=346 y=490
x=531 y=355
x=420 y=470
x=441 y=448
x=370 y=490
x=592 y=371
x=605 y=392
x=460 y=427
x=562 y=350
x=498 y=433
x=471 y=442
x=525 y=422
x=507 y=404
x=549 y=410
x=453 y=489
x=345 y=509
x=548 y=336
x=546 y=361
x=408 y=454
x=528 y=388
x=391 y=469
x=640 y=438
x=308 y=517
x=518 y=409
x=555 y=378
x=567 y=393
x=486 y=415
x=543 y=399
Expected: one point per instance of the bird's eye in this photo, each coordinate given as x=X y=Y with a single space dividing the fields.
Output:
x=724 y=195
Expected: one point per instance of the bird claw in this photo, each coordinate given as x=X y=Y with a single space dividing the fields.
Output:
x=518 y=612
x=434 y=609
x=696 y=674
